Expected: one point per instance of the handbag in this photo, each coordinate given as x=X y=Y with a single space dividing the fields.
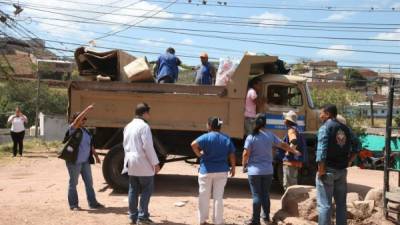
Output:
x=71 y=142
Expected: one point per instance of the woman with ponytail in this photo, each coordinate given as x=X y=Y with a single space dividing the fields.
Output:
x=213 y=148
x=257 y=158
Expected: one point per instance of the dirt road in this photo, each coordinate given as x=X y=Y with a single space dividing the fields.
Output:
x=33 y=190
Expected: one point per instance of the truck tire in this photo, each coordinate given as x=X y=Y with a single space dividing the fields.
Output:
x=112 y=167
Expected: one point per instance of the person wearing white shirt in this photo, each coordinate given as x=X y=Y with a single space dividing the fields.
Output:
x=141 y=163
x=17 y=131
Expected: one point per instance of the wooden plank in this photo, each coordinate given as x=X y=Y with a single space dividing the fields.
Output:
x=393 y=196
x=116 y=86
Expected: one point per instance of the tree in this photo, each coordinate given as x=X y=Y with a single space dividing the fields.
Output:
x=23 y=94
x=354 y=78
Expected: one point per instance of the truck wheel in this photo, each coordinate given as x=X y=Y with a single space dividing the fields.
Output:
x=112 y=167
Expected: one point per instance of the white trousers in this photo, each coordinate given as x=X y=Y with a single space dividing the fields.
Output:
x=215 y=183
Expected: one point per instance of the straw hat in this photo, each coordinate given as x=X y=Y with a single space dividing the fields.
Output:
x=203 y=55
x=290 y=116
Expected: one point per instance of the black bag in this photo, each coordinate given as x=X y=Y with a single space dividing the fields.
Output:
x=71 y=148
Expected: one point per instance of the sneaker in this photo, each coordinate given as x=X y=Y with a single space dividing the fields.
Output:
x=97 y=206
x=146 y=221
x=75 y=208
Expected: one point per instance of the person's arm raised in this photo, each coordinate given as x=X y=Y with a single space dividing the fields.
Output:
x=81 y=116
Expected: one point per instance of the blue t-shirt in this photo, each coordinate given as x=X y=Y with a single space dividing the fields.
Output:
x=84 y=146
x=204 y=75
x=260 y=147
x=216 y=149
x=168 y=66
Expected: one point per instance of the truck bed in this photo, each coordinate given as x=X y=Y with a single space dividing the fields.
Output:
x=173 y=106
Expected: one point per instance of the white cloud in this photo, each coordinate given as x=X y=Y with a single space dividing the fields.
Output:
x=389 y=36
x=130 y=15
x=339 y=16
x=187 y=16
x=336 y=51
x=269 y=19
x=396 y=6
x=152 y=43
x=187 y=41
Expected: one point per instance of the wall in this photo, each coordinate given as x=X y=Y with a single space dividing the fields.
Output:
x=54 y=127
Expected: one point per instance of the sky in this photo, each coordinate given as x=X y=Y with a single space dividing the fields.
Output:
x=294 y=30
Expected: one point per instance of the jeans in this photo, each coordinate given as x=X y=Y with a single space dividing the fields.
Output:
x=215 y=183
x=332 y=184
x=259 y=186
x=18 y=139
x=74 y=169
x=290 y=174
x=249 y=124
x=144 y=187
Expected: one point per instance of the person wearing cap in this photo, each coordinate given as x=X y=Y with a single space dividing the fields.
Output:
x=291 y=163
x=252 y=100
x=141 y=163
x=213 y=149
x=335 y=149
x=257 y=162
x=205 y=74
x=167 y=67
x=80 y=164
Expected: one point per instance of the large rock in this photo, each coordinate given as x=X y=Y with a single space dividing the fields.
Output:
x=352 y=197
x=296 y=221
x=293 y=196
x=376 y=195
x=360 y=209
x=308 y=208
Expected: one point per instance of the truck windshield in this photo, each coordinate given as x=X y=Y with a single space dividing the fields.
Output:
x=309 y=98
x=284 y=95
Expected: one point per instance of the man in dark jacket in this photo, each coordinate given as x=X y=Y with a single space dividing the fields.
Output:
x=336 y=147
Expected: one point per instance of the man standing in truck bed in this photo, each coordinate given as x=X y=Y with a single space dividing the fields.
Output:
x=167 y=67
x=206 y=72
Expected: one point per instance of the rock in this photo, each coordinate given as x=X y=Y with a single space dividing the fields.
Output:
x=351 y=197
x=293 y=196
x=308 y=208
x=366 y=207
x=297 y=221
x=375 y=194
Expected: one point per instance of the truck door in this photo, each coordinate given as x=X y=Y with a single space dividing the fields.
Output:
x=279 y=98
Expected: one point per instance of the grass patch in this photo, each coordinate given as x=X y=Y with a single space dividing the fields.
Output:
x=33 y=145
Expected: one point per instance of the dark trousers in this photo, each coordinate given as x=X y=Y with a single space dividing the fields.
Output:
x=166 y=79
x=18 y=139
x=259 y=186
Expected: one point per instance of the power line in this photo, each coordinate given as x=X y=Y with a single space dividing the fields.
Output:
x=171 y=30
x=275 y=6
x=249 y=22
x=217 y=16
x=227 y=32
x=236 y=23
x=136 y=23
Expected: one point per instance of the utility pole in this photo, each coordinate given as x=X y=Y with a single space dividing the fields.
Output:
x=37 y=101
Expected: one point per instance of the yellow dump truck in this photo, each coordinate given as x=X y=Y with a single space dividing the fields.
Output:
x=179 y=112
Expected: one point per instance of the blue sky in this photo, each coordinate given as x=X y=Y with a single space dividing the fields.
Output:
x=52 y=20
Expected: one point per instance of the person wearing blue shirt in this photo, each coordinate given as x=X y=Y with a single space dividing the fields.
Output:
x=337 y=147
x=206 y=72
x=257 y=161
x=81 y=166
x=213 y=148
x=167 y=67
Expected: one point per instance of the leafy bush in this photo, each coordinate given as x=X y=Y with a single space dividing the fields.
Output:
x=23 y=94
